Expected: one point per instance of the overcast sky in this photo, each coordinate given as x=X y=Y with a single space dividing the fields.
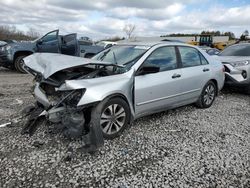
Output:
x=106 y=18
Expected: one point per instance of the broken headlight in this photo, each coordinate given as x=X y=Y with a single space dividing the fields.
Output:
x=74 y=97
x=239 y=63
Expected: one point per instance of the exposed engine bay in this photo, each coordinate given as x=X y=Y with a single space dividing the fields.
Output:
x=73 y=121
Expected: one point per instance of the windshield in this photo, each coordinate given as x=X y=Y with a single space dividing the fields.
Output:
x=236 y=50
x=125 y=55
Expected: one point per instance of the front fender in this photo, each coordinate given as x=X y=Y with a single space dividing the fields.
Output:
x=97 y=89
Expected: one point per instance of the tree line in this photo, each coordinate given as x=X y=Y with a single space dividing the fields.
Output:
x=214 y=33
x=12 y=33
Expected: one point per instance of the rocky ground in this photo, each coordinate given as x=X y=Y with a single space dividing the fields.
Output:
x=186 y=147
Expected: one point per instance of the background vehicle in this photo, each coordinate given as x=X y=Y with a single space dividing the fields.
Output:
x=123 y=83
x=106 y=44
x=87 y=48
x=236 y=60
x=12 y=55
x=209 y=50
x=207 y=40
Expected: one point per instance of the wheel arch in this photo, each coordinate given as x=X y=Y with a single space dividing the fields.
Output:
x=216 y=85
x=21 y=53
x=123 y=97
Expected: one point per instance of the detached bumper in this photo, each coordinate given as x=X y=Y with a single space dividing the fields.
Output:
x=5 y=60
x=233 y=82
x=239 y=77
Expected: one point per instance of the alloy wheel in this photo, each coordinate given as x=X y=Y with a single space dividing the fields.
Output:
x=113 y=119
x=209 y=94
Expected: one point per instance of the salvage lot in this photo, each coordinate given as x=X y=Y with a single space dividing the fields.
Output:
x=184 y=147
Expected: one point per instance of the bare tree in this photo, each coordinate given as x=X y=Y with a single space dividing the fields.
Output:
x=33 y=33
x=11 y=32
x=129 y=29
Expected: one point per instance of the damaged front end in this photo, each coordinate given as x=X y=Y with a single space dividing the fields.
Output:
x=59 y=96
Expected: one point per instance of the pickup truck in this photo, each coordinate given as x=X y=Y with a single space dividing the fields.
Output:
x=12 y=54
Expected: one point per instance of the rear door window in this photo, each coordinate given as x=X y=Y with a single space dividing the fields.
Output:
x=190 y=57
x=203 y=59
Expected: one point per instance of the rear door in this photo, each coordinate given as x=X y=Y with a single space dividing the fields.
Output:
x=156 y=91
x=195 y=72
x=49 y=43
x=69 y=45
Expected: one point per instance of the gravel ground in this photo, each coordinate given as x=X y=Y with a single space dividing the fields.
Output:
x=186 y=147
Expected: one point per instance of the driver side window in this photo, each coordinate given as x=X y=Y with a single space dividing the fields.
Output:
x=164 y=58
x=50 y=37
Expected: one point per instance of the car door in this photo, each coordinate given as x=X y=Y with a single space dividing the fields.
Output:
x=49 y=43
x=195 y=72
x=69 y=45
x=155 y=91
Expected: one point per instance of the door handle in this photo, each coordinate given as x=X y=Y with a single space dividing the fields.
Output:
x=205 y=69
x=176 y=76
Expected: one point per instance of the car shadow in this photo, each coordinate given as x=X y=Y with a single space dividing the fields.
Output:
x=234 y=90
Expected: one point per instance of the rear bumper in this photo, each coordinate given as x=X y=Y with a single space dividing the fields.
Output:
x=6 y=60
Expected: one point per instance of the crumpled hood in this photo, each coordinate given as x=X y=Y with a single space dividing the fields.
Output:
x=50 y=63
x=229 y=59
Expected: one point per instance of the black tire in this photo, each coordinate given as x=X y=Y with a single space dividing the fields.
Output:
x=19 y=63
x=111 y=126
x=207 y=96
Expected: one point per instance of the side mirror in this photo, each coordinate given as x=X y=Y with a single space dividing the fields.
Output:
x=148 y=70
x=40 y=41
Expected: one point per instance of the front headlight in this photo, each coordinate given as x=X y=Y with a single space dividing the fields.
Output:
x=239 y=63
x=5 y=48
x=73 y=97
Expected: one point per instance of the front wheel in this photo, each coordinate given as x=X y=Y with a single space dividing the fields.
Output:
x=19 y=64
x=207 y=96
x=112 y=116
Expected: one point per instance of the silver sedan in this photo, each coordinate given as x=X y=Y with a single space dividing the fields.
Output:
x=121 y=84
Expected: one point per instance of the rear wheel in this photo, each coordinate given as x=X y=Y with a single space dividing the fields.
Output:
x=207 y=96
x=19 y=64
